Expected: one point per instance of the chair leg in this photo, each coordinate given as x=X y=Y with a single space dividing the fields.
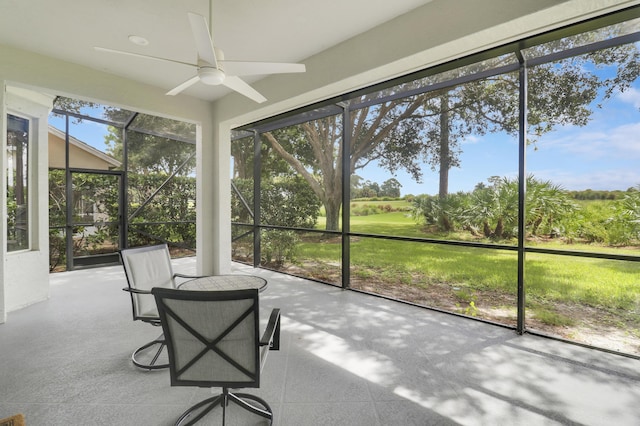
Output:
x=213 y=402
x=223 y=400
x=239 y=398
x=152 y=365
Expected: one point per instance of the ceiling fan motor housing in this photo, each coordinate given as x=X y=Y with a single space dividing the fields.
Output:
x=211 y=76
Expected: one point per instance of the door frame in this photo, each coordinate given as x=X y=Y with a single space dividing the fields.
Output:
x=73 y=262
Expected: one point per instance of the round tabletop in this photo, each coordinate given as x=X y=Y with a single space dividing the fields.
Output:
x=225 y=282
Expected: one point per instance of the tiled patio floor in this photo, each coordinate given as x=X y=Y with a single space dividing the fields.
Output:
x=346 y=359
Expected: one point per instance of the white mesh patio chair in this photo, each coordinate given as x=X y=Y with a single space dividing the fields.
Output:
x=213 y=341
x=145 y=268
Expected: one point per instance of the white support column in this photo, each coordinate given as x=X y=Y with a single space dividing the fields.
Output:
x=213 y=222
x=222 y=212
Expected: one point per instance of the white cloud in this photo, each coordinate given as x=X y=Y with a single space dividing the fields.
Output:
x=596 y=180
x=619 y=142
x=630 y=96
x=471 y=139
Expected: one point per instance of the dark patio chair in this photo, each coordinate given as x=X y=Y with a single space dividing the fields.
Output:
x=213 y=341
x=145 y=268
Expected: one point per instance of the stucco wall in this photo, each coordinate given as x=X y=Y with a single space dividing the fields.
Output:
x=78 y=158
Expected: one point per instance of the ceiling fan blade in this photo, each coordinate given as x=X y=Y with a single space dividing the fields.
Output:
x=202 y=36
x=243 y=88
x=183 y=86
x=137 y=55
x=255 y=68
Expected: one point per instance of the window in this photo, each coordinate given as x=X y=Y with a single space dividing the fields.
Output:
x=17 y=183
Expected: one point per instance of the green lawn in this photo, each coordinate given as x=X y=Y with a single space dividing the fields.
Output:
x=596 y=282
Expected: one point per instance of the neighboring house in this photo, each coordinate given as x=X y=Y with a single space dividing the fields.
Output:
x=81 y=154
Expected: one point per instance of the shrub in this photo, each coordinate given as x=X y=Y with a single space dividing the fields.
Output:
x=278 y=246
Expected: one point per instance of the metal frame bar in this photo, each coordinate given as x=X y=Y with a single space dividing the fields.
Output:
x=125 y=125
x=346 y=196
x=71 y=264
x=69 y=199
x=158 y=189
x=522 y=190
x=257 y=198
x=242 y=200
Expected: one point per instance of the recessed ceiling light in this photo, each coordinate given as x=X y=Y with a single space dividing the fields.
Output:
x=139 y=40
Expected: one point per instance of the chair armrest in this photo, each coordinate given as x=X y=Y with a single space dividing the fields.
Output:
x=135 y=290
x=271 y=335
x=177 y=275
x=184 y=277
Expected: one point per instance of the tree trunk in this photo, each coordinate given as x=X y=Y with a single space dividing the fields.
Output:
x=486 y=229
x=446 y=223
x=443 y=189
x=499 y=231
x=332 y=210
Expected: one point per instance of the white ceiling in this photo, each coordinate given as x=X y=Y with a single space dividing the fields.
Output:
x=255 y=30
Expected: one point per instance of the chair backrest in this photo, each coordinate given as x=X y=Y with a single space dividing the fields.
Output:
x=212 y=337
x=145 y=268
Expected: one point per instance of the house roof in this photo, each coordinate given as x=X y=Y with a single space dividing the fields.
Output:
x=86 y=147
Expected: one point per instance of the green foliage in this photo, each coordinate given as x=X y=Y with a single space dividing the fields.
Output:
x=615 y=222
x=547 y=207
x=57 y=249
x=57 y=198
x=278 y=247
x=471 y=310
x=492 y=210
x=96 y=201
x=389 y=189
x=441 y=213
x=149 y=154
x=169 y=216
x=589 y=194
x=470 y=299
x=552 y=318
x=166 y=217
x=285 y=201
x=627 y=219
x=366 y=209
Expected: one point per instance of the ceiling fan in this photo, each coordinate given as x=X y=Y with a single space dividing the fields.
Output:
x=211 y=67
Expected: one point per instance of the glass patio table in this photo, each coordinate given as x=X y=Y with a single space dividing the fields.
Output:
x=225 y=282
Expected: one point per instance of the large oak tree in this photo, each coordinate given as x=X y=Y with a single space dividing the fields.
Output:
x=428 y=127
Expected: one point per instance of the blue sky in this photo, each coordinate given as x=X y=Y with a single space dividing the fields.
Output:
x=89 y=132
x=604 y=155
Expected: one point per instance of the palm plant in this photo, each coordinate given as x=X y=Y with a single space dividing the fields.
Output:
x=546 y=205
x=495 y=208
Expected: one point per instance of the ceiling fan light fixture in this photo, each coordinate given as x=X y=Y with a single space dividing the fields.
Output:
x=211 y=76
